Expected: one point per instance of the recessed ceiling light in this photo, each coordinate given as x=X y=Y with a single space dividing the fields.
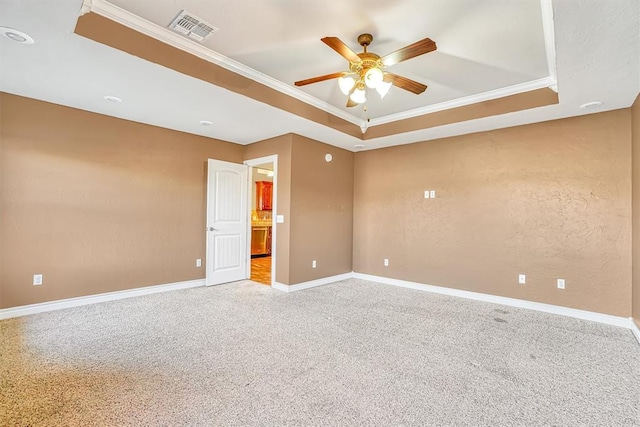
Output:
x=359 y=145
x=16 y=36
x=206 y=122
x=593 y=104
x=113 y=99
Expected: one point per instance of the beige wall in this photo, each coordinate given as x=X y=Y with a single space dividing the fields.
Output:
x=321 y=210
x=550 y=200
x=280 y=146
x=97 y=204
x=316 y=199
x=635 y=123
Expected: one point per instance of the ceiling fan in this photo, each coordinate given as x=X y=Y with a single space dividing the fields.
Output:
x=366 y=69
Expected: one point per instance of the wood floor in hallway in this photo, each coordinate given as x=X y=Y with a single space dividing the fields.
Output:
x=261 y=270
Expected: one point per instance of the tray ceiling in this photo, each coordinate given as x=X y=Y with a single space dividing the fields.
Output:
x=490 y=53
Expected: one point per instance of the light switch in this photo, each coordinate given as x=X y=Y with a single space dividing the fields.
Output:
x=280 y=219
x=426 y=194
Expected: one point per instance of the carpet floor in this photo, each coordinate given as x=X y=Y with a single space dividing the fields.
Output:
x=350 y=353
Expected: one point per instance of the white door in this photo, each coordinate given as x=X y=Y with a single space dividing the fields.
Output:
x=227 y=226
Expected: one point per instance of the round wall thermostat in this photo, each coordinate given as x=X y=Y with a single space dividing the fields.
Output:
x=328 y=157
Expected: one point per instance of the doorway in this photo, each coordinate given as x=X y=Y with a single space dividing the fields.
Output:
x=262 y=215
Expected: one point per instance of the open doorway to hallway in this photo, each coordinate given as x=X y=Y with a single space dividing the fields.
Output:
x=262 y=222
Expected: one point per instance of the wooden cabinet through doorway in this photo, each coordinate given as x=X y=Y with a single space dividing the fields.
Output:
x=264 y=195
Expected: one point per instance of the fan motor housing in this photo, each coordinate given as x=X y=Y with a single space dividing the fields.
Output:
x=368 y=60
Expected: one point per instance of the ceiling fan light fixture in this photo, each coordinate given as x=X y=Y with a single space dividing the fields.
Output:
x=383 y=88
x=365 y=69
x=346 y=83
x=359 y=96
x=373 y=77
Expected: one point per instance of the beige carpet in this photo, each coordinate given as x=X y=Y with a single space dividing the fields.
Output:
x=351 y=353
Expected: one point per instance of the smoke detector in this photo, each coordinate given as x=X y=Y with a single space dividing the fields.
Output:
x=191 y=26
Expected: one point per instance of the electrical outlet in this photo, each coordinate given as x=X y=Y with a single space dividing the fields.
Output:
x=522 y=279
x=560 y=283
x=37 y=279
x=433 y=194
x=198 y=262
x=386 y=262
x=313 y=264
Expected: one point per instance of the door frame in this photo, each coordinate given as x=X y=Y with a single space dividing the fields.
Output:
x=252 y=163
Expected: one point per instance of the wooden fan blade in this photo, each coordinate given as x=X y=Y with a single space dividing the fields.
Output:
x=337 y=45
x=319 y=79
x=418 y=48
x=405 y=83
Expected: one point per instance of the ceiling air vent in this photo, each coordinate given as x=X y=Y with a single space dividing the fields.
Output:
x=191 y=26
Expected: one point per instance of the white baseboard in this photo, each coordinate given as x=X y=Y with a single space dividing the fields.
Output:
x=624 y=322
x=634 y=328
x=312 y=283
x=538 y=306
x=24 y=310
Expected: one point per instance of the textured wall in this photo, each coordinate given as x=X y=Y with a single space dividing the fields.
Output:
x=316 y=199
x=635 y=130
x=321 y=210
x=281 y=146
x=550 y=200
x=97 y=204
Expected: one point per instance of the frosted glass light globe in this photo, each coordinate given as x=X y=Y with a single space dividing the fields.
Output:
x=373 y=77
x=346 y=83
x=358 y=96
x=383 y=89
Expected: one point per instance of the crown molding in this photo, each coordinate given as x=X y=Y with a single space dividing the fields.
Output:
x=467 y=100
x=549 y=40
x=165 y=35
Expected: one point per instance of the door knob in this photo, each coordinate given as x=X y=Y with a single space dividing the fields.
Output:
x=212 y=229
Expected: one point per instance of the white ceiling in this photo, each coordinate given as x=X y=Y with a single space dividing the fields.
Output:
x=483 y=45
